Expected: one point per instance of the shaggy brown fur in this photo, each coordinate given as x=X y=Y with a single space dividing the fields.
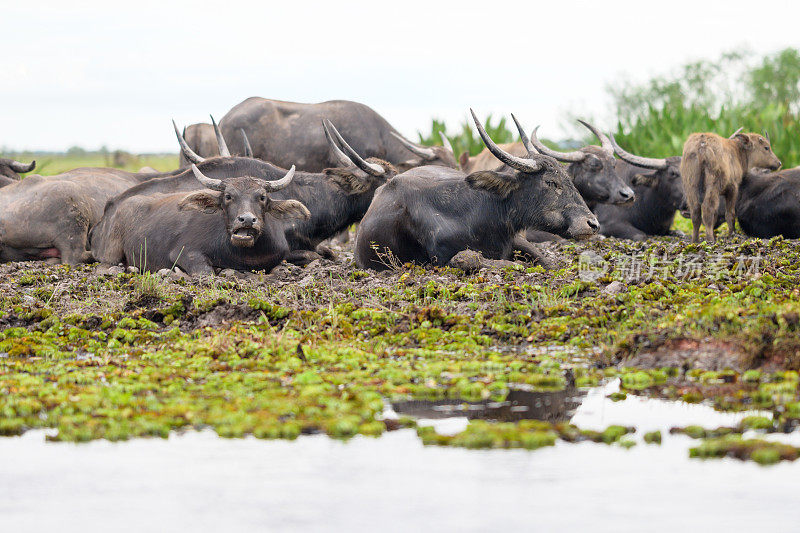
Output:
x=713 y=166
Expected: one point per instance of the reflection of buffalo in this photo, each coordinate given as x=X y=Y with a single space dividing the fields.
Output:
x=550 y=406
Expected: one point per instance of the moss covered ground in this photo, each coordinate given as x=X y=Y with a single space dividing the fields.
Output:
x=325 y=348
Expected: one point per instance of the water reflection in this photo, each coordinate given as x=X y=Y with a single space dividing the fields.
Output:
x=550 y=406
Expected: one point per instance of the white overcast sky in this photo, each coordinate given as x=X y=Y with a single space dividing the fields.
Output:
x=91 y=73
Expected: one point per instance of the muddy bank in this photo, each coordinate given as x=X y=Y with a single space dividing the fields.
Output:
x=320 y=348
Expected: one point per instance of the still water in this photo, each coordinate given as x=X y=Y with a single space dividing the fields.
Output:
x=199 y=482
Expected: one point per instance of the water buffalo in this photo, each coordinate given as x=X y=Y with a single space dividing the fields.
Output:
x=49 y=217
x=10 y=171
x=659 y=194
x=287 y=133
x=231 y=223
x=336 y=197
x=592 y=167
x=428 y=214
x=202 y=140
x=769 y=204
x=713 y=167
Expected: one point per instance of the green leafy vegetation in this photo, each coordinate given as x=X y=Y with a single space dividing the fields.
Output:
x=654 y=118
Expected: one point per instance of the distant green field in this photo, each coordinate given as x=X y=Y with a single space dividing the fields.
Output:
x=48 y=165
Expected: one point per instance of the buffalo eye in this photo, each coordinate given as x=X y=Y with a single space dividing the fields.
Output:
x=553 y=184
x=263 y=197
x=228 y=197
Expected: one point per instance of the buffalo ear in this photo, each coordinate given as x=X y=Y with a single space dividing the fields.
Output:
x=288 y=209
x=494 y=182
x=350 y=180
x=744 y=139
x=648 y=180
x=463 y=160
x=206 y=201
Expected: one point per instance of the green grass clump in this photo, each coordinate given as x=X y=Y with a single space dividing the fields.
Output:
x=760 y=451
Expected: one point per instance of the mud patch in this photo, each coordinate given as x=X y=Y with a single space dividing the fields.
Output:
x=687 y=354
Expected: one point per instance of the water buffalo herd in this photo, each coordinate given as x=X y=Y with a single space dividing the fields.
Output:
x=275 y=180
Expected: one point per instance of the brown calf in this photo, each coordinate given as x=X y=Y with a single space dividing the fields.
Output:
x=713 y=166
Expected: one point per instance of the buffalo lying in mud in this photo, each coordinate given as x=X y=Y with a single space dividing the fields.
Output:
x=592 y=168
x=232 y=223
x=769 y=204
x=10 y=171
x=287 y=133
x=49 y=217
x=429 y=214
x=336 y=197
x=659 y=194
x=713 y=167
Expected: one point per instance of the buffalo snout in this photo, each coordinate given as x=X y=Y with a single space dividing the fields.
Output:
x=583 y=227
x=246 y=230
x=626 y=195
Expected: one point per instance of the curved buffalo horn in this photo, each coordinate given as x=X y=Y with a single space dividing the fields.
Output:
x=644 y=162
x=568 y=157
x=765 y=133
x=208 y=183
x=21 y=168
x=735 y=133
x=188 y=152
x=248 y=150
x=605 y=142
x=340 y=156
x=370 y=168
x=446 y=143
x=526 y=142
x=223 y=147
x=276 y=185
x=523 y=165
x=423 y=151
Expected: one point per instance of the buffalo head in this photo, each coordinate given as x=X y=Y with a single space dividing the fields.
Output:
x=538 y=191
x=244 y=202
x=663 y=176
x=592 y=169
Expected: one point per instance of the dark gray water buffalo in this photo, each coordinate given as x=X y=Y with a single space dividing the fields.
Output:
x=428 y=214
x=336 y=197
x=287 y=133
x=202 y=140
x=659 y=194
x=231 y=223
x=49 y=217
x=592 y=168
x=769 y=204
x=10 y=171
